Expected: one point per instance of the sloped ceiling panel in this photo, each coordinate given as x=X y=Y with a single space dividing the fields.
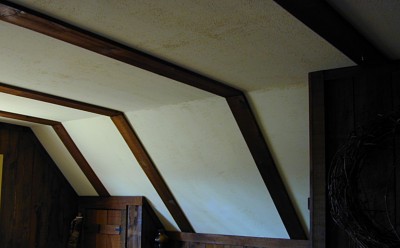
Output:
x=113 y=162
x=64 y=160
x=209 y=168
x=246 y=44
x=33 y=61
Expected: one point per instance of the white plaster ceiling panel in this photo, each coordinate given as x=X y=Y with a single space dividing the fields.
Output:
x=209 y=168
x=378 y=20
x=63 y=159
x=29 y=107
x=38 y=62
x=113 y=162
x=283 y=118
x=18 y=122
x=247 y=44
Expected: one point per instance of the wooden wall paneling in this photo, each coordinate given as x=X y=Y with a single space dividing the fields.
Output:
x=266 y=165
x=114 y=202
x=375 y=97
x=317 y=160
x=38 y=201
x=329 y=24
x=396 y=105
x=80 y=160
x=339 y=117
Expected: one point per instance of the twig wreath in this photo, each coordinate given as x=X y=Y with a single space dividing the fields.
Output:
x=344 y=188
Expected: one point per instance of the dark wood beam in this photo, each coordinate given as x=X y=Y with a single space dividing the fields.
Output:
x=80 y=160
x=149 y=168
x=262 y=156
x=28 y=118
x=18 y=15
x=39 y=96
x=208 y=240
x=329 y=24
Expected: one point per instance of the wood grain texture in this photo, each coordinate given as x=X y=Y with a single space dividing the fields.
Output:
x=39 y=96
x=317 y=160
x=38 y=203
x=80 y=160
x=28 y=118
x=343 y=102
x=149 y=168
x=208 y=240
x=113 y=202
x=266 y=165
x=32 y=20
x=320 y=17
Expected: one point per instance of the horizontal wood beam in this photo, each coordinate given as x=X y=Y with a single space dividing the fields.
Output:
x=18 y=15
x=39 y=96
x=111 y=202
x=150 y=169
x=227 y=240
x=320 y=17
x=262 y=157
x=28 y=118
x=80 y=160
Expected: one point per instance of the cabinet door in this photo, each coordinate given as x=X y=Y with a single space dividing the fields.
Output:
x=104 y=228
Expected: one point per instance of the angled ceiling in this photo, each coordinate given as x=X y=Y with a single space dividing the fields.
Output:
x=190 y=134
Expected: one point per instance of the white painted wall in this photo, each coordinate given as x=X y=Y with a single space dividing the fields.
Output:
x=283 y=116
x=203 y=157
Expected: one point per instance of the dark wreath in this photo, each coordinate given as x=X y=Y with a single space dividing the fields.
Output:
x=346 y=195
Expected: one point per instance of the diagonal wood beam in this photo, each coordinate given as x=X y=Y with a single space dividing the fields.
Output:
x=130 y=137
x=28 y=118
x=266 y=165
x=35 y=21
x=32 y=20
x=320 y=17
x=39 y=96
x=69 y=144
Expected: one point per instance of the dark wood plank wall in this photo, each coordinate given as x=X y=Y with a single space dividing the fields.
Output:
x=38 y=203
x=350 y=98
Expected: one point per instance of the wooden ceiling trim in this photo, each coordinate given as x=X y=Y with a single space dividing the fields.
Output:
x=149 y=168
x=21 y=16
x=39 y=96
x=320 y=17
x=262 y=156
x=28 y=118
x=80 y=159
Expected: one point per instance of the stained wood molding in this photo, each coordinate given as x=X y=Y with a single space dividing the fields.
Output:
x=18 y=15
x=38 y=22
x=150 y=169
x=28 y=118
x=39 y=96
x=80 y=159
x=262 y=157
x=329 y=24
x=237 y=241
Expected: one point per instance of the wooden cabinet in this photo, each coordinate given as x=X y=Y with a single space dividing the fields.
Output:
x=118 y=222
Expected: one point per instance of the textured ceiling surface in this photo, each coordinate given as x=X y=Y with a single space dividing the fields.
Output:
x=252 y=45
